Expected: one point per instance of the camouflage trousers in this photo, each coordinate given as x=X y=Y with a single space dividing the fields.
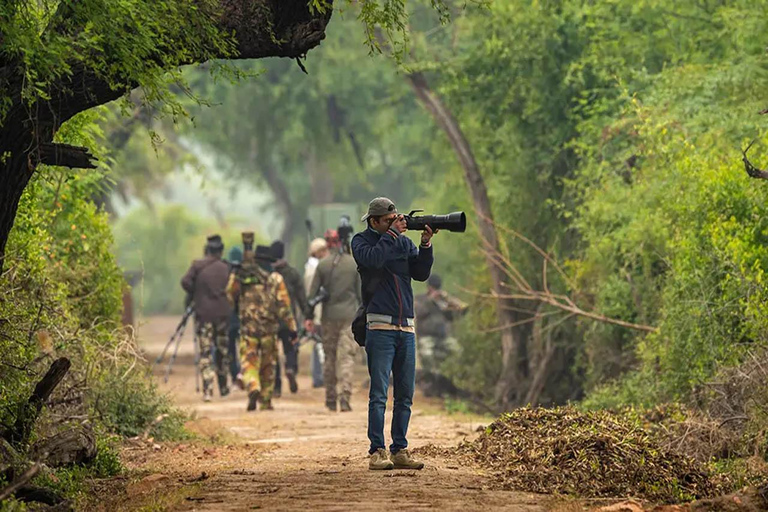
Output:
x=257 y=359
x=432 y=351
x=340 y=349
x=213 y=347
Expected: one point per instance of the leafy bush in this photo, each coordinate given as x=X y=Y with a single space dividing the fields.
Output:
x=61 y=296
x=131 y=404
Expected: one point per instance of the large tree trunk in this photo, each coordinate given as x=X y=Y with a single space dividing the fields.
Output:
x=262 y=28
x=283 y=199
x=508 y=392
x=320 y=179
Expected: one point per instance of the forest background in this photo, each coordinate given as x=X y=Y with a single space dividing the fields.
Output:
x=608 y=135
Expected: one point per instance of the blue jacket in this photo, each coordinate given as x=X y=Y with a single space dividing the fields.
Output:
x=401 y=261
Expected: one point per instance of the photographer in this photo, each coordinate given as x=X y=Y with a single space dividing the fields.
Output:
x=387 y=262
x=206 y=282
x=337 y=280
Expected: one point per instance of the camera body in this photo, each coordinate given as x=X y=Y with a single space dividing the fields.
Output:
x=345 y=230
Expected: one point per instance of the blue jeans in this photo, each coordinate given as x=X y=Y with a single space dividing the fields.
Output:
x=395 y=352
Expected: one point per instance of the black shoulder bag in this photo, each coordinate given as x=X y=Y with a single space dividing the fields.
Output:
x=370 y=280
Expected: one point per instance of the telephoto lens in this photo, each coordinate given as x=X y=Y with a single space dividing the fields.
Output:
x=455 y=222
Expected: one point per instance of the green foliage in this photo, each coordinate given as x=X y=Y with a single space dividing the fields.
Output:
x=11 y=505
x=160 y=244
x=62 y=296
x=124 y=42
x=608 y=134
x=130 y=404
x=62 y=290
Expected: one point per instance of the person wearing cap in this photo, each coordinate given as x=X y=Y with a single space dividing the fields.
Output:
x=235 y=259
x=206 y=283
x=295 y=286
x=435 y=312
x=318 y=249
x=264 y=304
x=387 y=261
x=337 y=276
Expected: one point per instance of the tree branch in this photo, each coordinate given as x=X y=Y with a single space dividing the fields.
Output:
x=64 y=155
x=19 y=482
x=752 y=171
x=521 y=290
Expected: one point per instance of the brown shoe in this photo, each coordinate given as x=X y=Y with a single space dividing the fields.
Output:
x=331 y=405
x=380 y=460
x=403 y=460
x=344 y=405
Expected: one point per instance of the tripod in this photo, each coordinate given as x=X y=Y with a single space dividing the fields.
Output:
x=176 y=337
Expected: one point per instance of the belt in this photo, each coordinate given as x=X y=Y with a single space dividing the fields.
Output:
x=386 y=319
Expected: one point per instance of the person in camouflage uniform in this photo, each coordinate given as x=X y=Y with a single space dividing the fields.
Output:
x=295 y=286
x=205 y=284
x=263 y=304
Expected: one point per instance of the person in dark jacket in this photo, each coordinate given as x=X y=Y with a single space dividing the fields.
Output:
x=385 y=251
x=295 y=285
x=206 y=283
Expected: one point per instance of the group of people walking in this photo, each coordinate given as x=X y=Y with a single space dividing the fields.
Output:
x=255 y=301
x=259 y=299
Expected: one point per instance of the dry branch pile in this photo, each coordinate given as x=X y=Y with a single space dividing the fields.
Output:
x=589 y=454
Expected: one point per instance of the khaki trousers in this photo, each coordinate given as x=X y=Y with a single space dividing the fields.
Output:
x=340 y=351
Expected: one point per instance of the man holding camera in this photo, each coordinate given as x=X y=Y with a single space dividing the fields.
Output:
x=387 y=262
x=337 y=285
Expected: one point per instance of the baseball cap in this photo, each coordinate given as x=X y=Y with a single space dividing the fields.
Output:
x=379 y=206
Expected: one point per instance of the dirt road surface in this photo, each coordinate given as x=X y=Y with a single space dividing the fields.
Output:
x=302 y=456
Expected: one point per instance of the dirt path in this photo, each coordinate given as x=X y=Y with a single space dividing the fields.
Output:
x=302 y=457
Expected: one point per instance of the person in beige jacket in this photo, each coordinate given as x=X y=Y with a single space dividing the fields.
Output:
x=337 y=274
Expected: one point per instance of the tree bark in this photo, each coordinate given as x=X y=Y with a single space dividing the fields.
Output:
x=321 y=181
x=512 y=351
x=283 y=199
x=74 y=446
x=262 y=28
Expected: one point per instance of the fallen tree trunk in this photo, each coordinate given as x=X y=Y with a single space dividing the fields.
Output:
x=73 y=446
x=29 y=411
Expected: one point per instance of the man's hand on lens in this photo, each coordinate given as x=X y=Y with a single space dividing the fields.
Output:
x=427 y=234
x=398 y=224
x=309 y=325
